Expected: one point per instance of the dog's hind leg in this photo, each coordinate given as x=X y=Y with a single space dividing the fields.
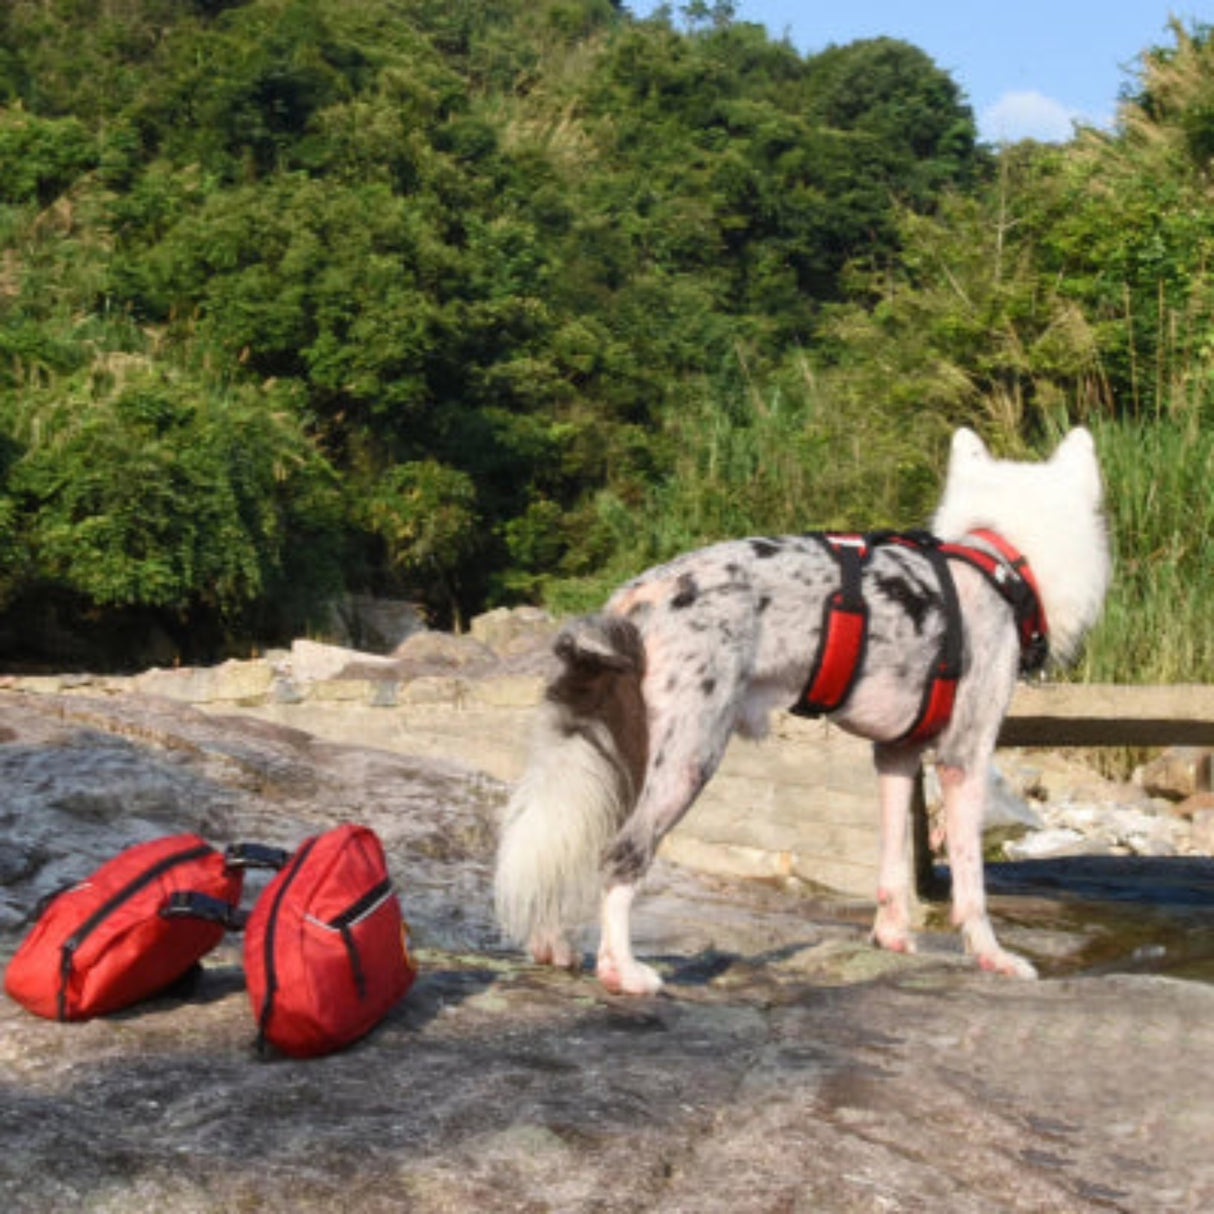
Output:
x=690 y=727
x=897 y=767
x=964 y=792
x=667 y=797
x=617 y=969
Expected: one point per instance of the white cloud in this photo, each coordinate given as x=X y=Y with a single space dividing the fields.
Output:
x=1028 y=115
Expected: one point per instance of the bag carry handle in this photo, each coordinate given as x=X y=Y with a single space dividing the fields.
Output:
x=255 y=855
x=189 y=904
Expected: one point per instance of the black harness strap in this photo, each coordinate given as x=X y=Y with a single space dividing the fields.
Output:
x=843 y=640
x=940 y=692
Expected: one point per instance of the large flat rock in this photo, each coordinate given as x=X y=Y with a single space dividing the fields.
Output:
x=788 y=1067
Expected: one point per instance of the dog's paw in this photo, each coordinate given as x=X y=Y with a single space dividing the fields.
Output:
x=991 y=956
x=891 y=928
x=553 y=949
x=632 y=979
x=893 y=940
x=1000 y=961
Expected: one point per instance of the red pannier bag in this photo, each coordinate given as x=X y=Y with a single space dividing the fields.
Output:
x=104 y=944
x=326 y=948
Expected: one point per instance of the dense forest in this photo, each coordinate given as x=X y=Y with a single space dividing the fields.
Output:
x=486 y=301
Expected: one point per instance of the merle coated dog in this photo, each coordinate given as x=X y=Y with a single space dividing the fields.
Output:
x=705 y=646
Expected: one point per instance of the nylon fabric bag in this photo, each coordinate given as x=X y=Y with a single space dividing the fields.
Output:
x=326 y=947
x=104 y=944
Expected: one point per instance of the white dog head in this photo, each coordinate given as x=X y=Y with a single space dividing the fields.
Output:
x=1051 y=511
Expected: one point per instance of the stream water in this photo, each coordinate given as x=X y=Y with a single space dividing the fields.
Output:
x=1125 y=914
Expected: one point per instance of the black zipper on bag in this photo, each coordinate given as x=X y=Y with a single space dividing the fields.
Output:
x=367 y=903
x=370 y=901
x=111 y=904
x=267 y=1005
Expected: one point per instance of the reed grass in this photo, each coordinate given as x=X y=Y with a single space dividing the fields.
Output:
x=1158 y=624
x=792 y=460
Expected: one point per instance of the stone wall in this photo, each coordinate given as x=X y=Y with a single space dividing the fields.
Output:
x=801 y=803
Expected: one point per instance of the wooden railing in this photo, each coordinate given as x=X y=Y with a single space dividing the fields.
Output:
x=1086 y=714
x=1103 y=714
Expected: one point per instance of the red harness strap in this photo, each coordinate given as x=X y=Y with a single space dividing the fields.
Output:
x=844 y=634
x=1010 y=574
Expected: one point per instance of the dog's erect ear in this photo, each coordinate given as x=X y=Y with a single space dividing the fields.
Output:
x=967 y=448
x=1078 y=446
x=1076 y=454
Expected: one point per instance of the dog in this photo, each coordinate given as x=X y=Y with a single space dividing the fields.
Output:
x=690 y=652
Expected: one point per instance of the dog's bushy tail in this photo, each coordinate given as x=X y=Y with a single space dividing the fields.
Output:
x=582 y=780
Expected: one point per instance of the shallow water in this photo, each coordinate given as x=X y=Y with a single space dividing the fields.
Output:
x=1126 y=914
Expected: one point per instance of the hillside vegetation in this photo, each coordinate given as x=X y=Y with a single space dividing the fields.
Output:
x=478 y=302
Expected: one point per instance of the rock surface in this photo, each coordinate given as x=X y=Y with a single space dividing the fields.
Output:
x=789 y=1066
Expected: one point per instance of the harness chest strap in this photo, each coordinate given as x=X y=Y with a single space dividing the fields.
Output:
x=843 y=636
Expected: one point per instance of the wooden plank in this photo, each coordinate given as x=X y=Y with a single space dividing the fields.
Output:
x=1105 y=714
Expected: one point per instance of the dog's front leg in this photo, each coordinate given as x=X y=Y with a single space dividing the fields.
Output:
x=897 y=768
x=964 y=800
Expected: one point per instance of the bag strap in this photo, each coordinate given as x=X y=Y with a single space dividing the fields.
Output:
x=255 y=855
x=189 y=904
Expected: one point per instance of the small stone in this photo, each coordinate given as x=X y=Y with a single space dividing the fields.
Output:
x=1190 y=807
x=1201 y=839
x=1041 y=844
x=1179 y=772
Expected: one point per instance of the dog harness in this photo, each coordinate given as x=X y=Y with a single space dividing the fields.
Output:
x=844 y=635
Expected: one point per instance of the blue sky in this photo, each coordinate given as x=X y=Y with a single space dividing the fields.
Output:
x=1029 y=68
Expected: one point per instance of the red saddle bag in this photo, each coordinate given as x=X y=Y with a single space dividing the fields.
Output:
x=105 y=943
x=326 y=948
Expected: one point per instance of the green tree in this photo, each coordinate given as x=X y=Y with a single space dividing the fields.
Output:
x=136 y=487
x=426 y=515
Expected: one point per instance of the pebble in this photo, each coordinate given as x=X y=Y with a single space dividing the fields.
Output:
x=1081 y=815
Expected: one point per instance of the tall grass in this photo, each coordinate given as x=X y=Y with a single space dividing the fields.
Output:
x=793 y=459
x=780 y=458
x=1158 y=624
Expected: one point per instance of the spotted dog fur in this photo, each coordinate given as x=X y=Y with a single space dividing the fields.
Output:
x=693 y=651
